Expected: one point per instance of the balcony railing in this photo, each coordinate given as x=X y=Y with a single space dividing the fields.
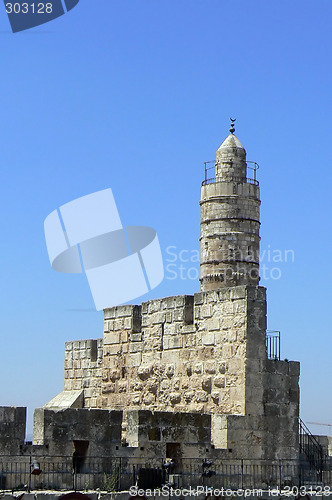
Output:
x=215 y=180
x=272 y=341
x=210 y=169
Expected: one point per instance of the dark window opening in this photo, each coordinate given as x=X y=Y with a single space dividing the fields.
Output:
x=174 y=454
x=79 y=455
x=154 y=434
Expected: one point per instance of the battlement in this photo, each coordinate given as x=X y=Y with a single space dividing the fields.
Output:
x=132 y=317
x=83 y=364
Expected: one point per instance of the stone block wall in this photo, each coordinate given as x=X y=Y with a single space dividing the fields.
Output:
x=256 y=354
x=181 y=353
x=201 y=354
x=166 y=427
x=59 y=429
x=12 y=429
x=281 y=396
x=83 y=367
x=256 y=436
x=169 y=435
x=269 y=430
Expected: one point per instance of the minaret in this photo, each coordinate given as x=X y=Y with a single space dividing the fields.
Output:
x=229 y=238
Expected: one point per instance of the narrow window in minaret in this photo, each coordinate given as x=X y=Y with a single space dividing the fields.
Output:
x=249 y=253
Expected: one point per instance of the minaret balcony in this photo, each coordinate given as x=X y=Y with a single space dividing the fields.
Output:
x=210 y=173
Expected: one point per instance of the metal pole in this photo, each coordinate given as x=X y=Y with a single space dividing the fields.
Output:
x=29 y=482
x=242 y=478
x=279 y=475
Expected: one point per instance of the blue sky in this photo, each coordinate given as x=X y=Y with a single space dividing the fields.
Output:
x=135 y=95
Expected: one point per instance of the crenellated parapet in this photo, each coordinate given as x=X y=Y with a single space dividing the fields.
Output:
x=83 y=368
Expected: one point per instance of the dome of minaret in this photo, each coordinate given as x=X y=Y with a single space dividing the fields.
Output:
x=231 y=158
x=231 y=142
x=231 y=146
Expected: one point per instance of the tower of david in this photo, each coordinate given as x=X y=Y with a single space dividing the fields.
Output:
x=196 y=356
x=183 y=379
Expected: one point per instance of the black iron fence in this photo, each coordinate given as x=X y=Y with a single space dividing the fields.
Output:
x=310 y=449
x=120 y=474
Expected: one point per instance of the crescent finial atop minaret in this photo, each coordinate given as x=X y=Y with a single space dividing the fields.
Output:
x=232 y=129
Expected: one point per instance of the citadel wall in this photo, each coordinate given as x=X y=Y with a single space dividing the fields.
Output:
x=203 y=354
x=185 y=353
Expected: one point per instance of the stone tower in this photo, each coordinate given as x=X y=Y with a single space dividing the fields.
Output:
x=229 y=238
x=193 y=373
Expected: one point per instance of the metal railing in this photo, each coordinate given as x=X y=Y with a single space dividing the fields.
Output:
x=211 y=166
x=215 y=180
x=311 y=450
x=272 y=341
x=121 y=474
